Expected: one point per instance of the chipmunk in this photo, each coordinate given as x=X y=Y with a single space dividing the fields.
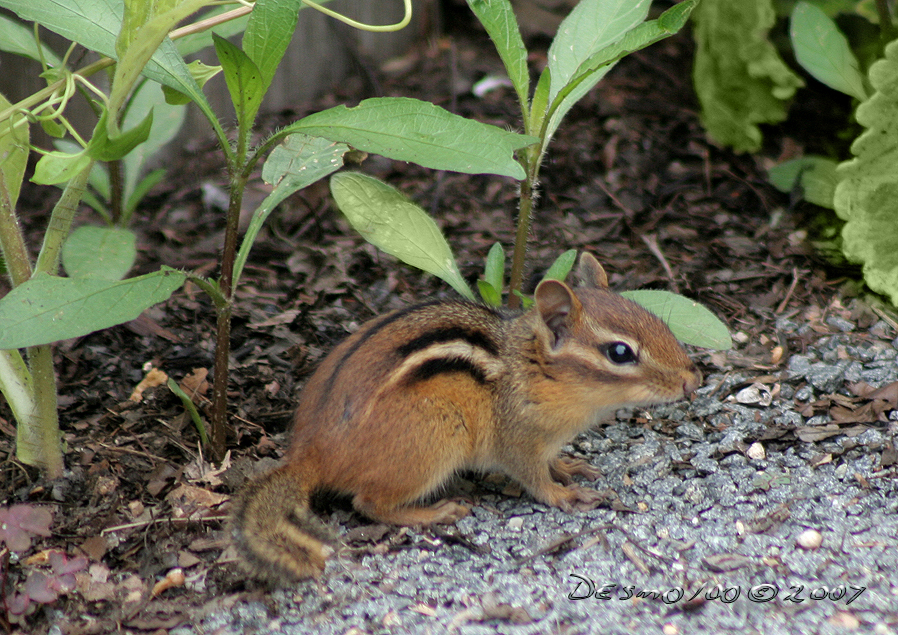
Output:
x=419 y=394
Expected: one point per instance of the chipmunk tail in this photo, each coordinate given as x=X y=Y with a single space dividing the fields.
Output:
x=278 y=537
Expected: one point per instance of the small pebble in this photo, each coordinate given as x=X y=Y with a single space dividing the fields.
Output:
x=756 y=451
x=671 y=629
x=809 y=539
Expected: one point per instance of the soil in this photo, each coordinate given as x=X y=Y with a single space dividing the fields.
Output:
x=631 y=177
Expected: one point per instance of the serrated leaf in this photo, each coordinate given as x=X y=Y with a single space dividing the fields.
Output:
x=494 y=272
x=391 y=222
x=590 y=27
x=268 y=34
x=562 y=266
x=48 y=308
x=244 y=79
x=824 y=52
x=815 y=176
x=739 y=77
x=498 y=18
x=412 y=130
x=99 y=252
x=868 y=185
x=689 y=321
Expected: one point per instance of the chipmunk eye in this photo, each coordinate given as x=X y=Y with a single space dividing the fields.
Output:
x=620 y=353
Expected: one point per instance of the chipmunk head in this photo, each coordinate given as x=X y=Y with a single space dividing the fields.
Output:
x=599 y=338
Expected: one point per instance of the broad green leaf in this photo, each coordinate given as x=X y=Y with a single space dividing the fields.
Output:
x=689 y=321
x=297 y=163
x=47 y=308
x=494 y=272
x=867 y=193
x=562 y=266
x=19 y=39
x=13 y=156
x=489 y=294
x=590 y=27
x=268 y=34
x=824 y=52
x=739 y=77
x=99 y=252
x=498 y=18
x=59 y=167
x=245 y=83
x=94 y=24
x=103 y=148
x=816 y=177
x=597 y=65
x=411 y=130
x=391 y=222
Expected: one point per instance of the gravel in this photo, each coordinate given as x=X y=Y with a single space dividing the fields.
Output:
x=724 y=520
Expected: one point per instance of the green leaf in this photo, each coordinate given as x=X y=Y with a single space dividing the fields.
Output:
x=597 y=65
x=244 y=80
x=562 y=266
x=297 y=163
x=13 y=155
x=391 y=222
x=824 y=52
x=141 y=188
x=411 y=130
x=498 y=18
x=59 y=167
x=689 y=321
x=94 y=24
x=99 y=252
x=590 y=27
x=739 y=77
x=268 y=34
x=201 y=74
x=48 y=308
x=489 y=294
x=867 y=193
x=103 y=148
x=494 y=272
x=19 y=39
x=816 y=176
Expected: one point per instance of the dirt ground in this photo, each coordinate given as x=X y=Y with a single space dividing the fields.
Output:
x=631 y=177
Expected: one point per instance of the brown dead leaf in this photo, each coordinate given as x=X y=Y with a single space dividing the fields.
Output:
x=153 y=378
x=195 y=384
x=187 y=501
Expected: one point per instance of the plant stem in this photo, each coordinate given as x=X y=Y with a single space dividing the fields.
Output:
x=223 y=313
x=531 y=162
x=42 y=431
x=61 y=222
x=116 y=191
x=11 y=241
x=886 y=28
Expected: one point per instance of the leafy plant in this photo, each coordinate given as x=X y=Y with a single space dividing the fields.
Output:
x=595 y=35
x=43 y=308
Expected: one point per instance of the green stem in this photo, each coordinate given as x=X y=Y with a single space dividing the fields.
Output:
x=527 y=198
x=61 y=222
x=18 y=264
x=38 y=441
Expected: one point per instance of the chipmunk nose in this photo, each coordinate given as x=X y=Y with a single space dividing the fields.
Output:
x=691 y=382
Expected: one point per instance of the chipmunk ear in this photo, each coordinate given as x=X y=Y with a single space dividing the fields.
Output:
x=558 y=307
x=590 y=273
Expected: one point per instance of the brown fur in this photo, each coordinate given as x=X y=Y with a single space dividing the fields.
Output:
x=419 y=394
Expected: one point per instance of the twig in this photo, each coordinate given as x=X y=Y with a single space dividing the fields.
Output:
x=782 y=305
x=651 y=241
x=560 y=542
